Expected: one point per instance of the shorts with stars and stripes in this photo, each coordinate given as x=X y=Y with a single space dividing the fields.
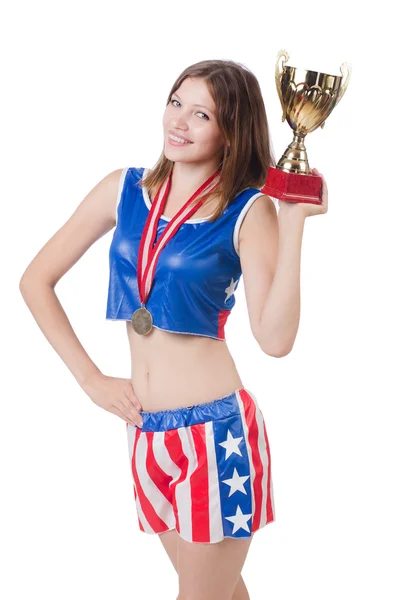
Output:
x=204 y=470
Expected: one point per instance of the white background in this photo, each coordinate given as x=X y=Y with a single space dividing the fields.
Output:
x=84 y=89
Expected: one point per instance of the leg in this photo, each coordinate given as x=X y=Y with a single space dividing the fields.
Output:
x=208 y=571
x=169 y=539
x=240 y=591
x=191 y=474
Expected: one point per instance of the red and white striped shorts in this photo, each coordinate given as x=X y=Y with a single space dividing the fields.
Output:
x=204 y=470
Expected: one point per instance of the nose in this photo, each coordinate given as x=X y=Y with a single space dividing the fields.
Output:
x=180 y=123
x=180 y=120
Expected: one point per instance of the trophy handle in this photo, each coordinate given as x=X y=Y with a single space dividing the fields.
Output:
x=346 y=70
x=278 y=75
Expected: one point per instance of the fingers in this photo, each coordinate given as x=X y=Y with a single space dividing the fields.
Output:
x=324 y=183
x=134 y=419
x=130 y=410
x=315 y=171
x=129 y=393
x=130 y=405
x=324 y=190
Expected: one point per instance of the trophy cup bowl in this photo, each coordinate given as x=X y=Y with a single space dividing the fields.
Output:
x=307 y=99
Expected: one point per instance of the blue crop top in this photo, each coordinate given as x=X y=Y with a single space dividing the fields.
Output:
x=197 y=272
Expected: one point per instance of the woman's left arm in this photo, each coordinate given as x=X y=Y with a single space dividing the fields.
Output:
x=273 y=293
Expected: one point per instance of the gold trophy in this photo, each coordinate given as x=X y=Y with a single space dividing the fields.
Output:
x=307 y=99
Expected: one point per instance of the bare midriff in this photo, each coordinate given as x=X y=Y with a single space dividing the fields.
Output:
x=170 y=370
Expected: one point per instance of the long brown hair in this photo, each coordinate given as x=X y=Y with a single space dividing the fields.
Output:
x=242 y=120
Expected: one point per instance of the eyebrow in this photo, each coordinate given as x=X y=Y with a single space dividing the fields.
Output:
x=200 y=105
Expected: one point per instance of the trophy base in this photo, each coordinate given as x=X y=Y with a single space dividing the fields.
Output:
x=293 y=187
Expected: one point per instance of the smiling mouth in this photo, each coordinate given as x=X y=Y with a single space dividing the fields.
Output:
x=176 y=141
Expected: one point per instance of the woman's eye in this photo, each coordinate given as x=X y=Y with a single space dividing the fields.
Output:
x=201 y=113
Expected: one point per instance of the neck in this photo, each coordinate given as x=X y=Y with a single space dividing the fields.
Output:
x=188 y=177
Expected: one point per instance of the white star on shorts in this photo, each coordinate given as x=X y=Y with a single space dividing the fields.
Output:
x=230 y=289
x=236 y=483
x=231 y=445
x=239 y=520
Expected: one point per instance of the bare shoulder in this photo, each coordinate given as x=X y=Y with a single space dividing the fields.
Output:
x=261 y=216
x=106 y=192
x=94 y=216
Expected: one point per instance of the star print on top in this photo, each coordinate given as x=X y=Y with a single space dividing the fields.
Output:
x=188 y=291
x=231 y=289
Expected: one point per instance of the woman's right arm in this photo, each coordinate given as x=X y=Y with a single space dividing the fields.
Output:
x=95 y=216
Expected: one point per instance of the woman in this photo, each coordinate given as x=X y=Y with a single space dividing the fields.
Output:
x=185 y=232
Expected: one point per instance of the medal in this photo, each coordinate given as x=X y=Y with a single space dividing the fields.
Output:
x=142 y=320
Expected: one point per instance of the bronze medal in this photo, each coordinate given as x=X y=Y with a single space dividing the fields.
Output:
x=142 y=321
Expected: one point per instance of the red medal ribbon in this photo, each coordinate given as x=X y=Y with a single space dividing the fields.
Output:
x=148 y=254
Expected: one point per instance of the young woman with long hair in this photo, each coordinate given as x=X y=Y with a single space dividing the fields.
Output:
x=185 y=231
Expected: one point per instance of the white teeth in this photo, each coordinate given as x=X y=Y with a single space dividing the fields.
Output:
x=177 y=139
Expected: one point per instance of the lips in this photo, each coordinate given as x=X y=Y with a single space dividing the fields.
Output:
x=180 y=136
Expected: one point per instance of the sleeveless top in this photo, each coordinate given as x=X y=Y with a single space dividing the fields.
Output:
x=197 y=272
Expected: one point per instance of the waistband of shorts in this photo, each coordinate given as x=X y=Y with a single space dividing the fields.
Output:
x=184 y=416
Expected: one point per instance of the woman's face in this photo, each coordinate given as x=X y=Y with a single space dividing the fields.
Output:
x=190 y=114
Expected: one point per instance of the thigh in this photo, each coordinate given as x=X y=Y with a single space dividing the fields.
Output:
x=210 y=571
x=169 y=539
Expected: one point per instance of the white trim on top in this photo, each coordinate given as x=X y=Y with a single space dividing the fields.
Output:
x=164 y=218
x=120 y=188
x=241 y=218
